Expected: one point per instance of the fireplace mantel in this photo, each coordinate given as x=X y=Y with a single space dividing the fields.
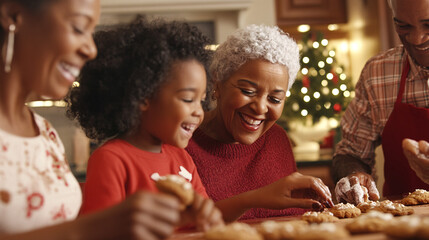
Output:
x=129 y=6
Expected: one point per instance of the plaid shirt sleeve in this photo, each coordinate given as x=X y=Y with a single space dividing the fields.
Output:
x=376 y=93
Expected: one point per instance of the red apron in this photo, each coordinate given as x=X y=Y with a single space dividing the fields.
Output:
x=405 y=121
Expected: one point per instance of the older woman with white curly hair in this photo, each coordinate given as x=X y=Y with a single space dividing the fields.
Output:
x=243 y=158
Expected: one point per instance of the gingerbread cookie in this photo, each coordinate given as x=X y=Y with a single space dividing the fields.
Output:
x=386 y=206
x=319 y=217
x=322 y=231
x=347 y=210
x=177 y=186
x=419 y=196
x=423 y=231
x=371 y=222
x=233 y=231
x=272 y=230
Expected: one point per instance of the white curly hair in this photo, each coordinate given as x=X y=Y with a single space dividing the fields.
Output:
x=255 y=42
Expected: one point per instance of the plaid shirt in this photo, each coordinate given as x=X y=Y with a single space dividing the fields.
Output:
x=376 y=92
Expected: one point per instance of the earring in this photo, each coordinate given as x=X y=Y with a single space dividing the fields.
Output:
x=213 y=97
x=9 y=48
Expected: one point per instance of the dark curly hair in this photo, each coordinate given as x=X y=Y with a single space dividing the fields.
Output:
x=132 y=64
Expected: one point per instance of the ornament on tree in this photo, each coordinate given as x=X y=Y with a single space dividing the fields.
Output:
x=337 y=107
x=334 y=77
x=306 y=81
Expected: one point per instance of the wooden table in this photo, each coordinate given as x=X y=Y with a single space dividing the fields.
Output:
x=422 y=210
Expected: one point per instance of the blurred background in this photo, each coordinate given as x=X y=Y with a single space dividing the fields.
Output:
x=336 y=38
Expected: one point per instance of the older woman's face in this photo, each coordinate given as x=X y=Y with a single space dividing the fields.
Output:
x=52 y=46
x=251 y=100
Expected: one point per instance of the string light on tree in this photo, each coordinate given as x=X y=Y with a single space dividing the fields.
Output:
x=322 y=87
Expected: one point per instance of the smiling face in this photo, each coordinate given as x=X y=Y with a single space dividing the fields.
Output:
x=175 y=111
x=412 y=25
x=250 y=101
x=52 y=46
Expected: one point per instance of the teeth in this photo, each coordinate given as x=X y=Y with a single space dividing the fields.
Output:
x=422 y=49
x=189 y=127
x=74 y=71
x=251 y=120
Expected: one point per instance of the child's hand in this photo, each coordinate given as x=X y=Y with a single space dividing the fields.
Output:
x=203 y=214
x=295 y=190
x=207 y=215
x=143 y=215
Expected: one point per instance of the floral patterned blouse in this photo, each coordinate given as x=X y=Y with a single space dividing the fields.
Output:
x=37 y=188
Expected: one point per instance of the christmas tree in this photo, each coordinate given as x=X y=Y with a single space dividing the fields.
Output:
x=322 y=87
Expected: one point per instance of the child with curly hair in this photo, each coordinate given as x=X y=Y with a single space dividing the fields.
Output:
x=143 y=96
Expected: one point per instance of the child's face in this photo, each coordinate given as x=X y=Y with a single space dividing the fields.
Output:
x=175 y=112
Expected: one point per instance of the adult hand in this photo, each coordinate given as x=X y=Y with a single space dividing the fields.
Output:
x=349 y=189
x=417 y=154
x=295 y=190
x=143 y=215
x=203 y=213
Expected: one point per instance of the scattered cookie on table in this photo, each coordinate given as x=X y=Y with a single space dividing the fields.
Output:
x=347 y=210
x=177 y=186
x=371 y=222
x=403 y=227
x=386 y=206
x=322 y=231
x=319 y=217
x=272 y=230
x=419 y=196
x=233 y=231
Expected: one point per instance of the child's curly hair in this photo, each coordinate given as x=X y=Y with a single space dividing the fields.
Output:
x=132 y=64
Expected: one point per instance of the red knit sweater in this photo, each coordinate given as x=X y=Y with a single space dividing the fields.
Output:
x=229 y=169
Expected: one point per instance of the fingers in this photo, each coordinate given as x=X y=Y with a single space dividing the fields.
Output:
x=410 y=146
x=163 y=207
x=207 y=215
x=151 y=225
x=424 y=147
x=341 y=189
x=372 y=190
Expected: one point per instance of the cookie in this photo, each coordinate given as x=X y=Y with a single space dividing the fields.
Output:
x=319 y=217
x=419 y=196
x=371 y=222
x=322 y=231
x=233 y=231
x=347 y=210
x=272 y=230
x=386 y=206
x=423 y=231
x=177 y=186
x=403 y=227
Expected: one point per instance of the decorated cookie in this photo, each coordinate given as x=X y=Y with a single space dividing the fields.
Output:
x=233 y=231
x=177 y=186
x=403 y=227
x=347 y=210
x=386 y=206
x=322 y=231
x=319 y=217
x=419 y=196
x=272 y=230
x=371 y=222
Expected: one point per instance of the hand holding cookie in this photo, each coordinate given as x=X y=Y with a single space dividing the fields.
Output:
x=356 y=188
x=195 y=208
x=178 y=187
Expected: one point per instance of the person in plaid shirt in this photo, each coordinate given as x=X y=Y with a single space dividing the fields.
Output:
x=391 y=104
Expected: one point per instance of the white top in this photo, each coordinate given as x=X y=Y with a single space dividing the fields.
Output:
x=37 y=188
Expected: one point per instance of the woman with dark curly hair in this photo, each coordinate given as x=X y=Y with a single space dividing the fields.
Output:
x=143 y=94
